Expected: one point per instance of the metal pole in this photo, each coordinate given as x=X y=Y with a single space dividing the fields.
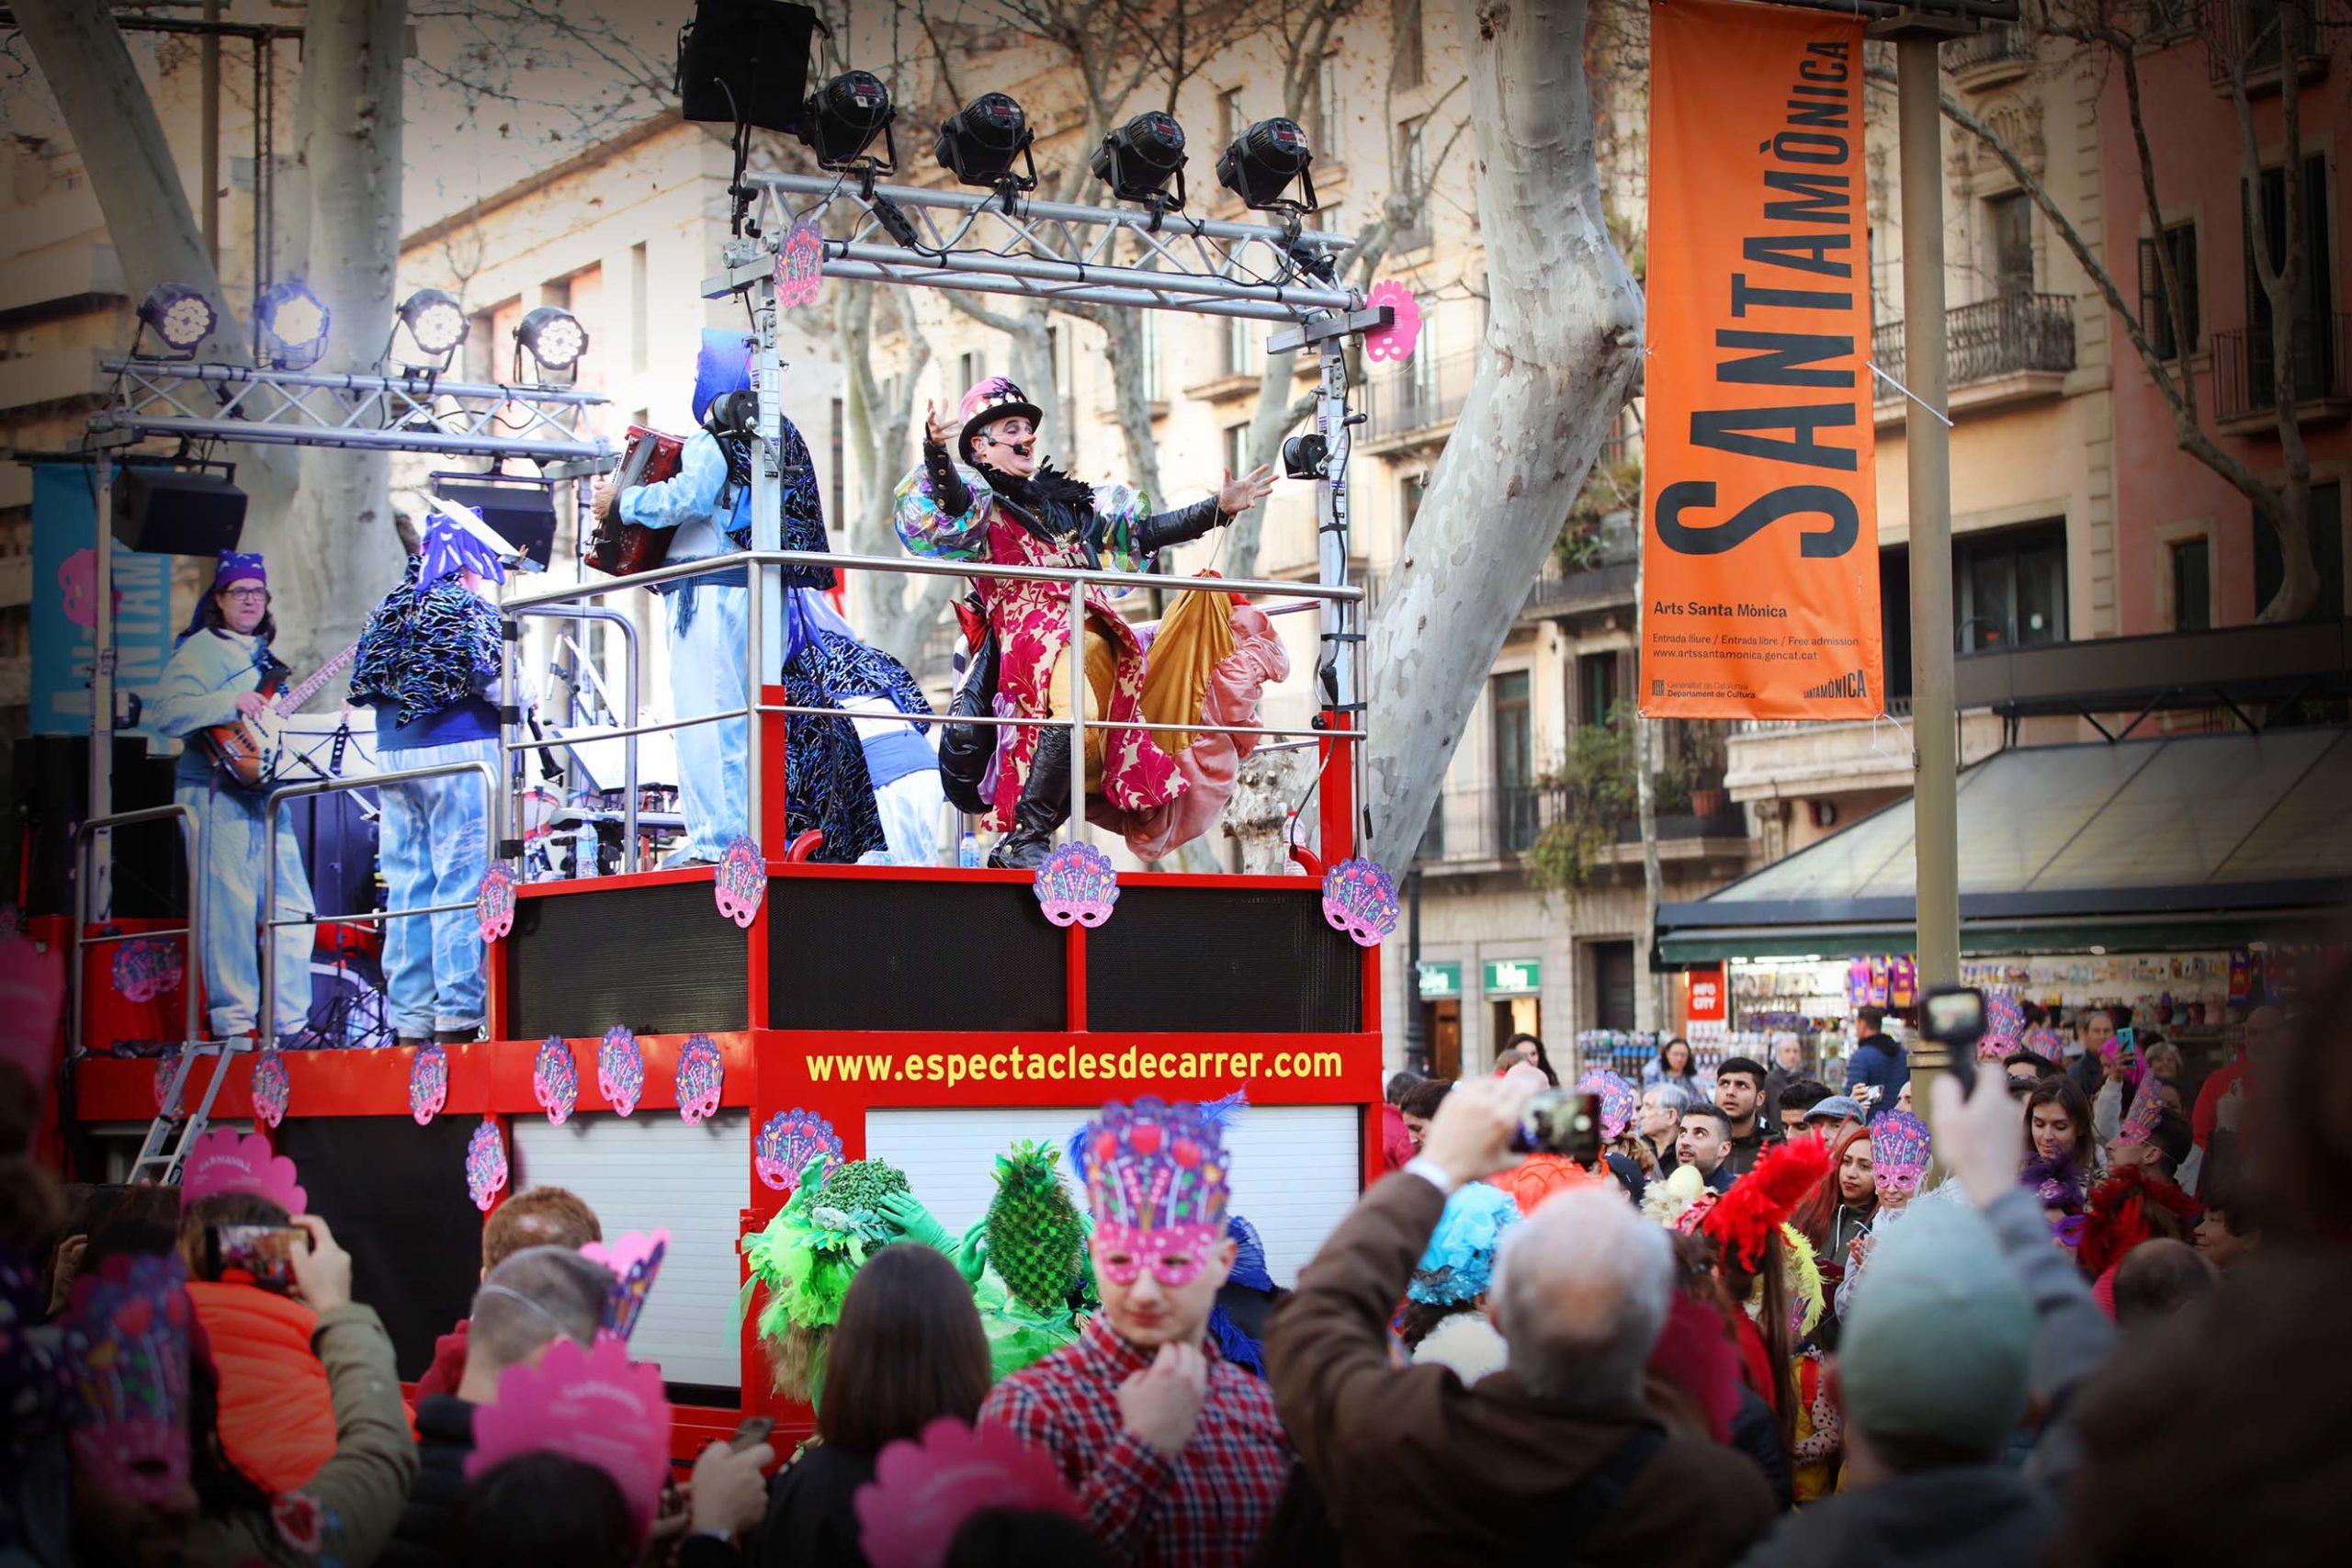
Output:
x=101 y=790
x=210 y=169
x=1077 y=714
x=1417 y=1044
x=1928 y=449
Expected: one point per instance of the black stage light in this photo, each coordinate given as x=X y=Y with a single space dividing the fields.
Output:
x=979 y=143
x=181 y=316
x=745 y=63
x=553 y=337
x=1138 y=160
x=1262 y=162
x=435 y=322
x=844 y=116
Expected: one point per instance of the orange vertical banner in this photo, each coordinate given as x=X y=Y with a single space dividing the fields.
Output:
x=1760 y=539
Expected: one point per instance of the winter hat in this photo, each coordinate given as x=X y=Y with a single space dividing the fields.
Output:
x=236 y=566
x=990 y=401
x=1940 y=1334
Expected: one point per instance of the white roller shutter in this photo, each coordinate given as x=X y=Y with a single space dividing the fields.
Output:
x=1295 y=1167
x=648 y=1170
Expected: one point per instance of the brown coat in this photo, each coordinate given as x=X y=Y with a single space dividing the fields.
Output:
x=1416 y=1468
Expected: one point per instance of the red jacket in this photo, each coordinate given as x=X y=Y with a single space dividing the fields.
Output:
x=448 y=1367
x=276 y=1420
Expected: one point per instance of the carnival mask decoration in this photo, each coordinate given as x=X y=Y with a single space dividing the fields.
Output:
x=555 y=1080
x=485 y=1165
x=1360 y=901
x=1076 y=884
x=634 y=1259
x=2147 y=1111
x=494 y=903
x=702 y=1073
x=273 y=1091
x=1898 y=1151
x=1156 y=1180
x=787 y=1143
x=620 y=1069
x=428 y=1083
x=741 y=880
x=2004 y=1027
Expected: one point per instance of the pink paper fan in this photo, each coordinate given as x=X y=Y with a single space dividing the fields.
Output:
x=594 y=1406
x=922 y=1492
x=226 y=1160
x=1397 y=340
x=634 y=1259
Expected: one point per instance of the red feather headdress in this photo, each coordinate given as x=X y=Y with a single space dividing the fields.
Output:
x=1759 y=1203
x=2118 y=1217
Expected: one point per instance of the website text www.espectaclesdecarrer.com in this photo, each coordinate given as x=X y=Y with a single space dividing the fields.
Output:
x=1068 y=1065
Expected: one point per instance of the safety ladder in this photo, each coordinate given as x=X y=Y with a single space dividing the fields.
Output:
x=160 y=1152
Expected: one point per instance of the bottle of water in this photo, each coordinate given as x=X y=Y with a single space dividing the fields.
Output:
x=583 y=849
x=968 y=850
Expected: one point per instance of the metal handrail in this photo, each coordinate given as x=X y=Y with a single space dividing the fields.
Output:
x=269 y=922
x=192 y=969
x=636 y=704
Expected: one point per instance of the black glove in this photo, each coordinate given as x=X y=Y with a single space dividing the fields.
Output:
x=948 y=486
x=1156 y=533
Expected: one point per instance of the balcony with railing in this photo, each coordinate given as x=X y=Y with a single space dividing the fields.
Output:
x=1992 y=58
x=2246 y=374
x=1595 y=566
x=2011 y=349
x=1487 y=827
x=2254 y=36
x=1417 y=405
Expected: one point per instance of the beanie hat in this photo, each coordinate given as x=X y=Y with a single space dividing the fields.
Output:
x=1940 y=1334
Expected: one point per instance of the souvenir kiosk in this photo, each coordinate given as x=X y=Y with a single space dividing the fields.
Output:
x=675 y=1045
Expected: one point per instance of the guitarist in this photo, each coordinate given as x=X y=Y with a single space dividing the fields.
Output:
x=214 y=677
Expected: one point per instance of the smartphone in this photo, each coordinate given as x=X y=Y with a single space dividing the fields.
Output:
x=265 y=1252
x=751 y=1432
x=1560 y=1122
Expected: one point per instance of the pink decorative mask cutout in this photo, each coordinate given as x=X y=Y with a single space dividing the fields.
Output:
x=77 y=583
x=800 y=266
x=702 y=1073
x=148 y=968
x=226 y=1160
x=634 y=1259
x=494 y=903
x=485 y=1165
x=126 y=1347
x=2147 y=1114
x=1618 y=1099
x=923 y=1490
x=1174 y=1254
x=428 y=1083
x=166 y=1065
x=1076 y=884
x=742 y=881
x=1395 y=340
x=555 y=1080
x=1899 y=1145
x=272 y=1088
x=1360 y=901
x=788 y=1141
x=620 y=1069
x=594 y=1406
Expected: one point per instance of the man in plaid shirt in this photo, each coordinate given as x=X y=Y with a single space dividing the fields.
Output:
x=1176 y=1452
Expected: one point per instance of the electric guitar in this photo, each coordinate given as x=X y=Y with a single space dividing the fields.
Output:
x=249 y=751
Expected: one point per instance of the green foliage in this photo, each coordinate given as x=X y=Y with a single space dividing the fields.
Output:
x=1593 y=790
x=861 y=1185
x=1036 y=1238
x=1611 y=486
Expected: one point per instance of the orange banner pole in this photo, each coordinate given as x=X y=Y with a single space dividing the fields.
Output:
x=1761 y=517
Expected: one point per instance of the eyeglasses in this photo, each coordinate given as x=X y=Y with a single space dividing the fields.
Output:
x=246 y=595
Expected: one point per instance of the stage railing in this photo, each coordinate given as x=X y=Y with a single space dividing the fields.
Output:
x=192 y=970
x=270 y=923
x=633 y=668
x=1078 y=578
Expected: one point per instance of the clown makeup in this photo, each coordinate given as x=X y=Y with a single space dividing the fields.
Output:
x=1007 y=445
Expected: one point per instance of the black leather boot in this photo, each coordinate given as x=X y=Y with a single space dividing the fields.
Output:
x=1044 y=806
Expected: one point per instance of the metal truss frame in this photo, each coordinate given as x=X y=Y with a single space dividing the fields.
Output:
x=415 y=412
x=1064 y=253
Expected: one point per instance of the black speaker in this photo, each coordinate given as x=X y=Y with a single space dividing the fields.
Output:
x=745 y=60
x=177 y=512
x=50 y=775
x=521 y=510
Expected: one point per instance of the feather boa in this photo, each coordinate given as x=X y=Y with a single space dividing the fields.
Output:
x=2116 y=1220
x=423 y=654
x=1761 y=1203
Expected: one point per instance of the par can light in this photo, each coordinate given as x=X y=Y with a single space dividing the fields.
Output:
x=843 y=116
x=979 y=143
x=293 y=322
x=553 y=337
x=436 y=321
x=181 y=316
x=1262 y=162
x=1138 y=160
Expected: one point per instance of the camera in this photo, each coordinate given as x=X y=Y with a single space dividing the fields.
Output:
x=1558 y=1121
x=1953 y=1017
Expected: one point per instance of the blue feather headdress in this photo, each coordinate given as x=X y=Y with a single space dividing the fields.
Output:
x=724 y=366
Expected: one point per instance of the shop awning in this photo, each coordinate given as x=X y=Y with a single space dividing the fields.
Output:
x=2202 y=842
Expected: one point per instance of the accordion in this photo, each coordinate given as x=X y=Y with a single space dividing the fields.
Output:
x=623 y=550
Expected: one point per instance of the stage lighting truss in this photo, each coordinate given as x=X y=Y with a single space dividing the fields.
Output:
x=969 y=242
x=153 y=398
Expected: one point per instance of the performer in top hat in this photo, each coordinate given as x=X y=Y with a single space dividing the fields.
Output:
x=708 y=505
x=214 y=678
x=982 y=494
